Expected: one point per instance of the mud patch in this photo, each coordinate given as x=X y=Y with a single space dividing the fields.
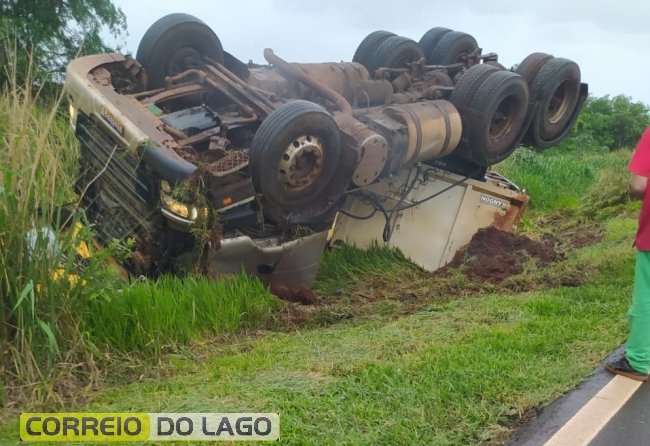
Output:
x=298 y=294
x=494 y=255
x=567 y=234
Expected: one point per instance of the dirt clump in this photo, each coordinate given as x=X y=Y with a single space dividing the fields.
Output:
x=494 y=255
x=296 y=293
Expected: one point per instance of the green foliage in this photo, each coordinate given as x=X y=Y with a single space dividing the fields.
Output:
x=41 y=284
x=560 y=180
x=54 y=32
x=156 y=316
x=345 y=263
x=58 y=307
x=608 y=124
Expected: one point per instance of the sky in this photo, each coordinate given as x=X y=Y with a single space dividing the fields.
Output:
x=609 y=40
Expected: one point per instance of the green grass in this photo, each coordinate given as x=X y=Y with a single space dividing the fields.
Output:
x=561 y=180
x=157 y=316
x=453 y=373
x=61 y=317
x=39 y=329
x=344 y=264
x=456 y=372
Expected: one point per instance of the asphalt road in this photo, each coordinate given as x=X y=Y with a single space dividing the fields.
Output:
x=630 y=426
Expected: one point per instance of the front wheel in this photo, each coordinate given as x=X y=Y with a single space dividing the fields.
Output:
x=175 y=43
x=295 y=163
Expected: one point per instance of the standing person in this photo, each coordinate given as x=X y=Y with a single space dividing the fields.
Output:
x=635 y=363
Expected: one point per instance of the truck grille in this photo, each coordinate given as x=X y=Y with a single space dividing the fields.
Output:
x=118 y=197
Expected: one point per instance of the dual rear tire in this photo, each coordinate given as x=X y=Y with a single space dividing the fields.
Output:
x=438 y=46
x=555 y=91
x=493 y=105
x=536 y=105
x=442 y=46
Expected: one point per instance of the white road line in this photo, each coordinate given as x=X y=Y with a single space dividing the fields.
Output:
x=594 y=415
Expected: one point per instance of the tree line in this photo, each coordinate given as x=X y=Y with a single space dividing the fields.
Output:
x=608 y=123
x=44 y=35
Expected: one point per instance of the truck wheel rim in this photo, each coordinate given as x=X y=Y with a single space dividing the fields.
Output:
x=301 y=162
x=558 y=106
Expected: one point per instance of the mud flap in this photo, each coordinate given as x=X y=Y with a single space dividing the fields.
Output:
x=292 y=263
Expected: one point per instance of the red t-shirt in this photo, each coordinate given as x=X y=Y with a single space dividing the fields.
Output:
x=640 y=165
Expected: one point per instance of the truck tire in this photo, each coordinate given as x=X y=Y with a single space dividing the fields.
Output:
x=469 y=82
x=495 y=127
x=368 y=45
x=395 y=52
x=452 y=48
x=530 y=66
x=496 y=64
x=431 y=38
x=175 y=43
x=294 y=159
x=556 y=87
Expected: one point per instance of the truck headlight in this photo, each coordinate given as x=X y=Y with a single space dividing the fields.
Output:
x=177 y=211
x=73 y=111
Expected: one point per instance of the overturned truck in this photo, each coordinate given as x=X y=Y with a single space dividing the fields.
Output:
x=212 y=165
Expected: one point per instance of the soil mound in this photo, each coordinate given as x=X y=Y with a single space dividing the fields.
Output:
x=494 y=255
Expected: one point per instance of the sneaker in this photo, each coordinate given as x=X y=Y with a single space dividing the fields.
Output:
x=623 y=368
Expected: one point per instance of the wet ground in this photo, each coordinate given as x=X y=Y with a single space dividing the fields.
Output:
x=629 y=426
x=494 y=255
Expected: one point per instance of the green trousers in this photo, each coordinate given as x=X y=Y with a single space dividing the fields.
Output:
x=637 y=350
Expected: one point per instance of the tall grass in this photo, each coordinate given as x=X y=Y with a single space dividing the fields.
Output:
x=155 y=316
x=37 y=166
x=345 y=263
x=563 y=181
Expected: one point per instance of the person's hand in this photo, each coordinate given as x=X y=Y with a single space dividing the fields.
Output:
x=638 y=186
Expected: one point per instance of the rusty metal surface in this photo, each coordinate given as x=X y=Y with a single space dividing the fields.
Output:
x=290 y=70
x=512 y=216
x=344 y=77
x=171 y=93
x=336 y=82
x=370 y=146
x=100 y=100
x=229 y=163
